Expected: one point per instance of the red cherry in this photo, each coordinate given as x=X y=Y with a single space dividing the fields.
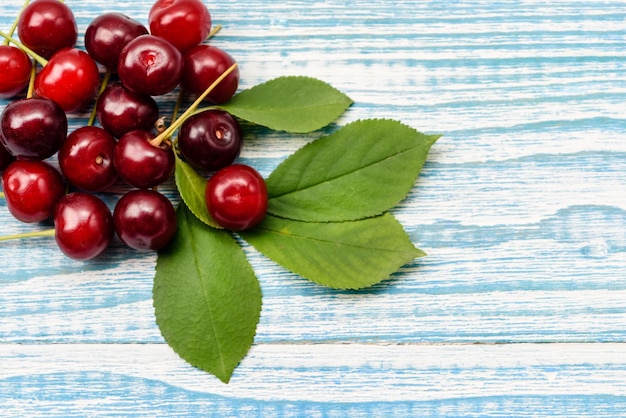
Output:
x=140 y=163
x=31 y=189
x=149 y=65
x=145 y=220
x=210 y=140
x=15 y=67
x=33 y=128
x=120 y=110
x=83 y=225
x=184 y=23
x=71 y=78
x=204 y=64
x=236 y=197
x=47 y=26
x=107 y=34
x=86 y=159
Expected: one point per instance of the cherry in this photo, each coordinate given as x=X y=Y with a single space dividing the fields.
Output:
x=119 y=110
x=140 y=163
x=71 y=78
x=202 y=65
x=184 y=23
x=107 y=34
x=33 y=128
x=15 y=67
x=145 y=220
x=149 y=65
x=210 y=140
x=86 y=159
x=31 y=189
x=83 y=225
x=47 y=26
x=236 y=197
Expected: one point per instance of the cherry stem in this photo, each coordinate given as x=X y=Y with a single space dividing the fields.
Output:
x=15 y=22
x=34 y=234
x=31 y=82
x=178 y=104
x=41 y=60
x=166 y=134
x=103 y=85
x=214 y=32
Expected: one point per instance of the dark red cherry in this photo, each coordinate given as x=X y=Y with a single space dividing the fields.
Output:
x=184 y=23
x=202 y=65
x=15 y=67
x=32 y=189
x=210 y=140
x=120 y=110
x=47 y=26
x=33 y=128
x=140 y=163
x=145 y=220
x=71 y=78
x=149 y=65
x=86 y=159
x=83 y=225
x=107 y=34
x=236 y=197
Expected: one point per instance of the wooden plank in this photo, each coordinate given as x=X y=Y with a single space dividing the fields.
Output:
x=318 y=380
x=109 y=306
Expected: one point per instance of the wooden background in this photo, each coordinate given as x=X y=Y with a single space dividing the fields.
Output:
x=519 y=308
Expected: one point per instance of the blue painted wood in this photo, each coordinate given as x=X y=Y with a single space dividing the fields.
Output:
x=518 y=309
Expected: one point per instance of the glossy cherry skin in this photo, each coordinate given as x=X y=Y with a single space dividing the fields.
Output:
x=83 y=225
x=184 y=23
x=15 y=67
x=145 y=220
x=236 y=197
x=71 y=78
x=120 y=110
x=210 y=140
x=33 y=128
x=32 y=189
x=150 y=65
x=140 y=163
x=86 y=159
x=202 y=65
x=47 y=26
x=107 y=34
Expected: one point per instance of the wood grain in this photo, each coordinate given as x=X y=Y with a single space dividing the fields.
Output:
x=518 y=309
x=320 y=380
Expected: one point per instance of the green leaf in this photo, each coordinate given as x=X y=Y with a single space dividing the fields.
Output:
x=342 y=255
x=360 y=170
x=191 y=186
x=293 y=103
x=207 y=299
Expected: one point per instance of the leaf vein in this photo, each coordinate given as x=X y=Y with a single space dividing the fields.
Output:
x=300 y=188
x=196 y=258
x=332 y=242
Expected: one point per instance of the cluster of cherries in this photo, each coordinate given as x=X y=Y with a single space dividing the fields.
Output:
x=129 y=144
